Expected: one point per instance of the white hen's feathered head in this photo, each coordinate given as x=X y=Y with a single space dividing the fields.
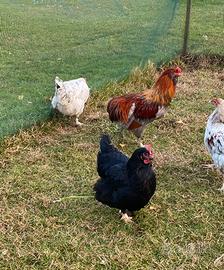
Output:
x=217 y=102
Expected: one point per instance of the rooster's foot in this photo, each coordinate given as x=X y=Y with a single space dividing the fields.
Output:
x=140 y=142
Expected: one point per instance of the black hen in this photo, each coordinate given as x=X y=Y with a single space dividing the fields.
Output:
x=126 y=184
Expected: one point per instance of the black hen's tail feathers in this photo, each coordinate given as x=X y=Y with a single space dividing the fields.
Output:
x=108 y=156
x=106 y=145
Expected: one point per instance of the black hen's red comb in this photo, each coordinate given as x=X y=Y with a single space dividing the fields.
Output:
x=148 y=147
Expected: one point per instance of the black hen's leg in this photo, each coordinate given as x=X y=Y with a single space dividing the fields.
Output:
x=129 y=213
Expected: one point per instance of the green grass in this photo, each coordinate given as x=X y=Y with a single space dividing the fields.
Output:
x=207 y=27
x=101 y=40
x=182 y=230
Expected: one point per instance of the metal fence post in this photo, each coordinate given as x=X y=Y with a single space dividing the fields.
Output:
x=187 y=27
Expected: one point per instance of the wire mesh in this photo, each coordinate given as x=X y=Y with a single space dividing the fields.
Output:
x=101 y=40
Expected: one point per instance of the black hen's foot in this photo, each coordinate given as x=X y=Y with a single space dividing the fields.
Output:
x=126 y=216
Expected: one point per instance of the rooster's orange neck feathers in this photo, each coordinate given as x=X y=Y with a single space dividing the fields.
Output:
x=162 y=92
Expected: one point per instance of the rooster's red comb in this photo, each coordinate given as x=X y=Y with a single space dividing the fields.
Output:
x=178 y=71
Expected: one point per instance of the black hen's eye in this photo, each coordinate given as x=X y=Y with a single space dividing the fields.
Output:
x=145 y=155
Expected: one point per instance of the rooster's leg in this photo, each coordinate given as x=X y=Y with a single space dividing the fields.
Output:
x=138 y=133
x=140 y=142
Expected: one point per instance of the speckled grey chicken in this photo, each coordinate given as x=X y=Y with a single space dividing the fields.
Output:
x=214 y=136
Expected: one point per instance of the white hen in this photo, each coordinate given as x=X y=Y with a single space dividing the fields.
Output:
x=70 y=97
x=214 y=135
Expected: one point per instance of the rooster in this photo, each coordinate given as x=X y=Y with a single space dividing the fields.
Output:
x=70 y=97
x=126 y=183
x=214 y=135
x=135 y=111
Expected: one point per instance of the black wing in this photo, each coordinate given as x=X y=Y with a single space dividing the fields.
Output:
x=107 y=187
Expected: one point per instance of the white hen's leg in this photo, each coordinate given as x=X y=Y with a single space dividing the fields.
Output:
x=77 y=122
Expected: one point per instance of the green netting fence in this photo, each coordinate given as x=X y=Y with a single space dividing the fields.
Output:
x=101 y=40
